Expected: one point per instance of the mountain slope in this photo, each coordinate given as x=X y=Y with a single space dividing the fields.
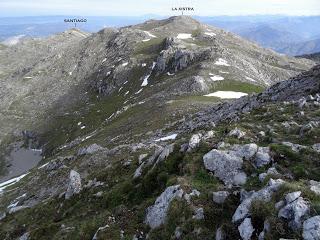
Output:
x=305 y=47
x=120 y=115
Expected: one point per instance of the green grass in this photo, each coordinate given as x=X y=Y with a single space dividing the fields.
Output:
x=230 y=85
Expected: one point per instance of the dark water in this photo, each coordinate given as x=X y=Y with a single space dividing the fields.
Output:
x=20 y=160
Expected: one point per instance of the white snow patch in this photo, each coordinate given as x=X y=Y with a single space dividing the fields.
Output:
x=211 y=34
x=221 y=62
x=146 y=40
x=184 y=36
x=170 y=74
x=42 y=166
x=139 y=91
x=120 y=89
x=27 y=77
x=10 y=182
x=226 y=94
x=125 y=64
x=143 y=64
x=110 y=116
x=126 y=93
x=250 y=79
x=224 y=72
x=105 y=59
x=145 y=80
x=83 y=127
x=125 y=82
x=70 y=73
x=108 y=73
x=142 y=102
x=170 y=137
x=217 y=78
x=149 y=34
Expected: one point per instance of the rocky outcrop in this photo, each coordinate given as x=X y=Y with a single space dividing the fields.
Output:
x=74 y=186
x=90 y=149
x=220 y=197
x=157 y=213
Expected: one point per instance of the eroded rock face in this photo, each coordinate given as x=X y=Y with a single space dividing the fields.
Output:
x=157 y=213
x=194 y=141
x=236 y=133
x=263 y=157
x=311 y=228
x=315 y=187
x=74 y=186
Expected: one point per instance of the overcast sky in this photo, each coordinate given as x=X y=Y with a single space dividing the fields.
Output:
x=159 y=7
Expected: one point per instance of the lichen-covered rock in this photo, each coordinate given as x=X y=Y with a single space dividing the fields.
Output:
x=199 y=214
x=157 y=213
x=290 y=197
x=220 y=234
x=311 y=228
x=264 y=194
x=246 y=229
x=74 y=186
x=220 y=197
x=271 y=171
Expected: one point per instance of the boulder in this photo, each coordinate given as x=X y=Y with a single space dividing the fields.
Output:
x=188 y=196
x=226 y=166
x=311 y=228
x=316 y=147
x=315 y=187
x=246 y=151
x=199 y=214
x=271 y=171
x=264 y=194
x=25 y=236
x=236 y=133
x=220 y=197
x=194 y=141
x=74 y=186
x=157 y=213
x=246 y=229
x=220 y=234
x=262 y=157
x=295 y=212
x=292 y=196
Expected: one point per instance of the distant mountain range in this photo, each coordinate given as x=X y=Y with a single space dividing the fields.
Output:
x=291 y=35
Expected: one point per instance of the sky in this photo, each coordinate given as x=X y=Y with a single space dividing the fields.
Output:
x=157 y=7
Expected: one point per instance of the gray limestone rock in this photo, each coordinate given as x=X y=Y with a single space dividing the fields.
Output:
x=74 y=186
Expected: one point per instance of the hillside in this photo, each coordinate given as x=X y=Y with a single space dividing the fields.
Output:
x=134 y=146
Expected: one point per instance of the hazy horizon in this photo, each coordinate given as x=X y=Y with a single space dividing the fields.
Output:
x=24 y=8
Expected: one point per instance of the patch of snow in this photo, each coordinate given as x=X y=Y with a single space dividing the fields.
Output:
x=108 y=73
x=83 y=127
x=126 y=93
x=146 y=40
x=43 y=165
x=110 y=116
x=170 y=74
x=10 y=182
x=184 y=36
x=250 y=79
x=143 y=64
x=142 y=102
x=79 y=123
x=221 y=62
x=139 y=91
x=170 y=137
x=105 y=59
x=149 y=34
x=224 y=72
x=125 y=82
x=125 y=64
x=145 y=80
x=27 y=77
x=226 y=94
x=216 y=78
x=120 y=89
x=211 y=34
